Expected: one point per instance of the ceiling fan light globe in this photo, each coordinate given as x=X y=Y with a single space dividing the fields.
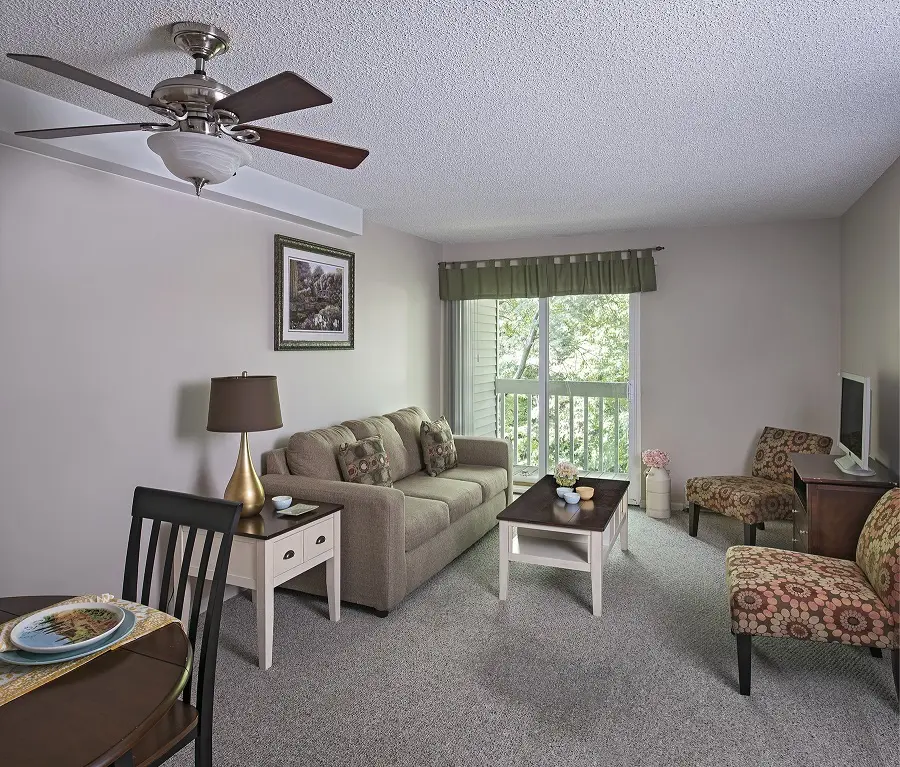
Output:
x=191 y=156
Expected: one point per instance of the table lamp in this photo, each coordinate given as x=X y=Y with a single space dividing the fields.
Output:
x=240 y=404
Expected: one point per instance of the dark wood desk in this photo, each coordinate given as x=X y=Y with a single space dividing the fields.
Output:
x=97 y=713
x=832 y=507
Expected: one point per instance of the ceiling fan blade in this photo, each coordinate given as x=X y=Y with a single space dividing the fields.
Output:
x=311 y=148
x=277 y=95
x=89 y=130
x=86 y=78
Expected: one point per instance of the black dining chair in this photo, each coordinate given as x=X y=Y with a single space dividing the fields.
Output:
x=184 y=722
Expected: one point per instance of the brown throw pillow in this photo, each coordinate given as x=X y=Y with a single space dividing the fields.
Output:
x=438 y=447
x=365 y=462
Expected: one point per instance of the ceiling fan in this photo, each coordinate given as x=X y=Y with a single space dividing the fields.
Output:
x=204 y=141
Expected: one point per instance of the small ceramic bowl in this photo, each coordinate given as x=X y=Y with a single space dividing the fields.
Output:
x=572 y=497
x=585 y=492
x=282 y=501
x=561 y=491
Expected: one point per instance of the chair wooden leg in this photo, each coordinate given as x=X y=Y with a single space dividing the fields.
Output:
x=876 y=653
x=743 y=653
x=895 y=662
x=749 y=535
x=693 y=519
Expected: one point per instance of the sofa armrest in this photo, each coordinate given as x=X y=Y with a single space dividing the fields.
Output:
x=487 y=451
x=373 y=534
x=275 y=461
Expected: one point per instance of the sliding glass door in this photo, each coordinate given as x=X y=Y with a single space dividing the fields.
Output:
x=564 y=383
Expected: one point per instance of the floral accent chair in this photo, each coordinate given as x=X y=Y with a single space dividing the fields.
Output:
x=767 y=494
x=776 y=593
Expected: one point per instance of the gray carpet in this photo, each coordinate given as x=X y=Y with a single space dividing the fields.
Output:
x=455 y=678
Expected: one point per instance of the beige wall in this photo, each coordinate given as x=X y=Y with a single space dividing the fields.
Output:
x=742 y=333
x=870 y=306
x=118 y=302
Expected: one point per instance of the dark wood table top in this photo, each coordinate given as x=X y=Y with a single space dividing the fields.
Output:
x=96 y=713
x=270 y=524
x=816 y=468
x=539 y=505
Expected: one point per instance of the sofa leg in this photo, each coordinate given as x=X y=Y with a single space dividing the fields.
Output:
x=693 y=519
x=876 y=652
x=743 y=653
x=382 y=613
x=749 y=535
x=895 y=662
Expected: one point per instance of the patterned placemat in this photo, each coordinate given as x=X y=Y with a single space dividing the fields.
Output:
x=15 y=681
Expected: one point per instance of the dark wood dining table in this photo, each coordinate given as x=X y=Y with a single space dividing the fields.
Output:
x=93 y=715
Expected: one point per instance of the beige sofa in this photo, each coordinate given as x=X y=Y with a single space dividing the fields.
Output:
x=393 y=539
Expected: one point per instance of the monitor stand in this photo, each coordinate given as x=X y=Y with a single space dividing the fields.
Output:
x=848 y=465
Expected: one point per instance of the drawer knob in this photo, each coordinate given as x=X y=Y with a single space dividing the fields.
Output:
x=289 y=554
x=320 y=539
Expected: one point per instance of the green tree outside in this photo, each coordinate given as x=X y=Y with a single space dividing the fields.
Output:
x=589 y=338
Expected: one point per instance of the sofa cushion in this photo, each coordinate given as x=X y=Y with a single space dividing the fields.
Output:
x=780 y=593
x=365 y=462
x=380 y=426
x=314 y=453
x=438 y=450
x=461 y=497
x=424 y=520
x=492 y=479
x=408 y=423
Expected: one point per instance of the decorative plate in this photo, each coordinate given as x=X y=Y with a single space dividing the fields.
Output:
x=24 y=658
x=67 y=627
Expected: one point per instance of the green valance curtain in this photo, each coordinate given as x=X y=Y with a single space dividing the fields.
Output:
x=632 y=271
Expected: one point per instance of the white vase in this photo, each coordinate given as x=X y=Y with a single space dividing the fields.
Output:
x=657 y=487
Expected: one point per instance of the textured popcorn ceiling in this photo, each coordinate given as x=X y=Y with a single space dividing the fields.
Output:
x=490 y=119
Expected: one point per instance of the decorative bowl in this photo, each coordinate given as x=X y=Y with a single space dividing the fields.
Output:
x=572 y=497
x=561 y=491
x=585 y=492
x=281 y=501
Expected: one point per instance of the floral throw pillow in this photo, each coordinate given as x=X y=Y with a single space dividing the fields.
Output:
x=438 y=447
x=365 y=462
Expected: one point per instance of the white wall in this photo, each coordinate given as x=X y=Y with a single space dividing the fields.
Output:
x=118 y=302
x=743 y=332
x=870 y=306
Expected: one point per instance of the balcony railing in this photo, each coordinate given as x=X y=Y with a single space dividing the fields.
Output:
x=587 y=424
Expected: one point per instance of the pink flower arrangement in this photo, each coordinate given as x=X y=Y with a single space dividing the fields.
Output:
x=655 y=459
x=566 y=474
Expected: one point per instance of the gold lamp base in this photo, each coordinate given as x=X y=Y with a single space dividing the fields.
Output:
x=244 y=485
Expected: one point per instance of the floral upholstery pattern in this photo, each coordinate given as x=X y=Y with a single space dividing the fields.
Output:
x=772 y=459
x=769 y=493
x=878 y=551
x=780 y=593
x=750 y=499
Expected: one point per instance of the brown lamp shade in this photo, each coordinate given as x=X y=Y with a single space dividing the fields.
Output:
x=244 y=403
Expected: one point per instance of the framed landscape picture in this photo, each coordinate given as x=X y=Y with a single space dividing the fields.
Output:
x=313 y=296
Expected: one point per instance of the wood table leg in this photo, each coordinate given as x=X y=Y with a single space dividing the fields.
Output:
x=505 y=535
x=333 y=573
x=596 y=561
x=265 y=603
x=623 y=534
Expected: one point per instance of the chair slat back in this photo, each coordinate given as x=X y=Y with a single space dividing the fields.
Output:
x=217 y=520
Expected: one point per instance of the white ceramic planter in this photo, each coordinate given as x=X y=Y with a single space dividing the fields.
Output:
x=657 y=489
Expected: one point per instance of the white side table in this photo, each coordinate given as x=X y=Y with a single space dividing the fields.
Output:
x=268 y=550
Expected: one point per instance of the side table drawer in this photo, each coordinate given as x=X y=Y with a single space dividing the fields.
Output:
x=318 y=538
x=288 y=552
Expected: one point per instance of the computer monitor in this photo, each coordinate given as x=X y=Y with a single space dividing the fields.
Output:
x=856 y=422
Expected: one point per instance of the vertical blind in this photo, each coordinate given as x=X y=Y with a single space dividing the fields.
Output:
x=632 y=271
